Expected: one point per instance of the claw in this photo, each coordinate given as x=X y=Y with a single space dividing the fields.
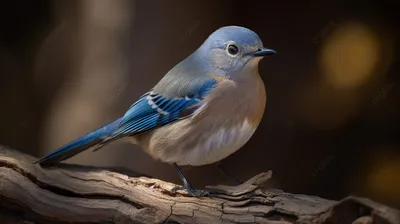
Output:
x=192 y=192
x=187 y=186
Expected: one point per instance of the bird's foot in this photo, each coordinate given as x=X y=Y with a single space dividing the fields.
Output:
x=192 y=192
x=233 y=178
x=187 y=186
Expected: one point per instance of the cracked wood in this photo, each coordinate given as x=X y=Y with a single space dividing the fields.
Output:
x=80 y=194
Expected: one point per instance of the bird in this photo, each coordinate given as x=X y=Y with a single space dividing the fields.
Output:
x=204 y=109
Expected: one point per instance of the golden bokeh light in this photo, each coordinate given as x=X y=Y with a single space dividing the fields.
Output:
x=381 y=175
x=350 y=55
x=354 y=56
x=386 y=181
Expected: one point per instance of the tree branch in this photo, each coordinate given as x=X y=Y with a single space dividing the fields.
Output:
x=79 y=194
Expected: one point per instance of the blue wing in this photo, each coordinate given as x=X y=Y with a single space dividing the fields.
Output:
x=153 y=110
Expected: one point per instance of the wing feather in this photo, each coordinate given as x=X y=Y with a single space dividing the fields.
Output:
x=154 y=110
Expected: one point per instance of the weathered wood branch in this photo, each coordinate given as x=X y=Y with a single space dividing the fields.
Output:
x=78 y=194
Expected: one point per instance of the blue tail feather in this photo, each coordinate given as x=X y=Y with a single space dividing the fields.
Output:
x=87 y=141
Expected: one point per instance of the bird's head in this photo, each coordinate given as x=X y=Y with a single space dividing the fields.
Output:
x=232 y=49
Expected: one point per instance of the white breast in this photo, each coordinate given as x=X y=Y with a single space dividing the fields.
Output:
x=219 y=145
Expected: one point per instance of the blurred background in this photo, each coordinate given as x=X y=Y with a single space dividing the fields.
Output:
x=332 y=118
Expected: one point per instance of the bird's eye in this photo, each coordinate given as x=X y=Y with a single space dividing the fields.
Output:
x=233 y=49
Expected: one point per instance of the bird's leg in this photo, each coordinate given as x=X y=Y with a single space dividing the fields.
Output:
x=236 y=180
x=186 y=185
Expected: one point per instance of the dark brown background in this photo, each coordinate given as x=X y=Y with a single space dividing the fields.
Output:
x=332 y=117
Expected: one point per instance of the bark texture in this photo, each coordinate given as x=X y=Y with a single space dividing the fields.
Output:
x=80 y=194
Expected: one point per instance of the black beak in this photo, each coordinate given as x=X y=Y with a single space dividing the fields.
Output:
x=263 y=52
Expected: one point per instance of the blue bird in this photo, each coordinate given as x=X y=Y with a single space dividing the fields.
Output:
x=204 y=109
